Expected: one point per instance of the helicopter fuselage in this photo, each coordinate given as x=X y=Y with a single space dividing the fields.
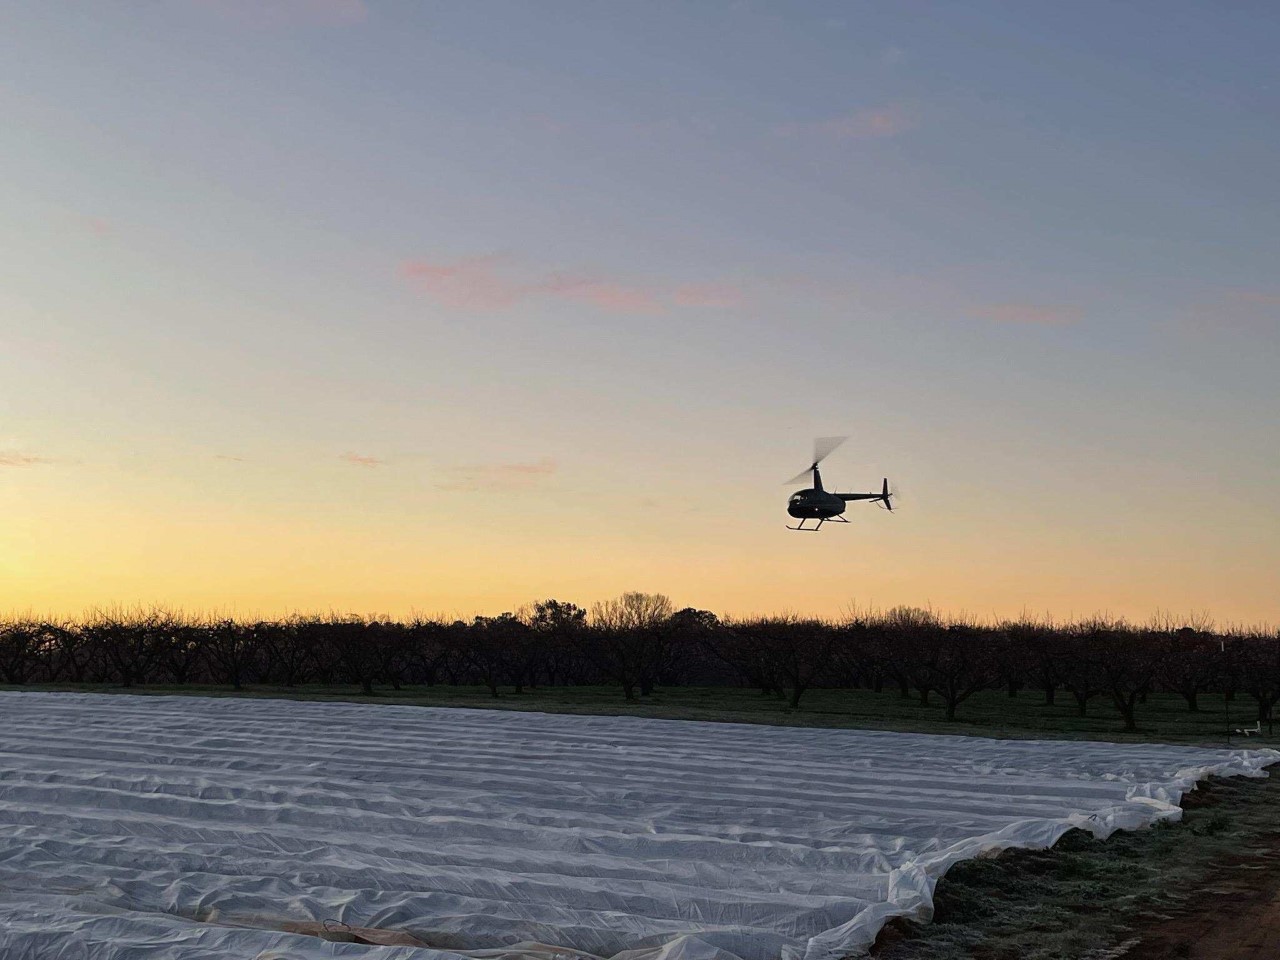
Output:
x=815 y=505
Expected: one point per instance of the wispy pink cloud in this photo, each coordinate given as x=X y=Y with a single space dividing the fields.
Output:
x=1027 y=313
x=498 y=476
x=490 y=283
x=470 y=283
x=1245 y=309
x=716 y=295
x=548 y=124
x=872 y=123
x=12 y=459
x=285 y=13
x=1255 y=297
x=98 y=226
x=361 y=461
x=227 y=456
x=605 y=294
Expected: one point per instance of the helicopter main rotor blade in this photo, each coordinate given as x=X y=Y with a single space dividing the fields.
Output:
x=824 y=446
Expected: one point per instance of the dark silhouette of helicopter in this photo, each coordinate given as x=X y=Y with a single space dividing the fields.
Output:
x=822 y=505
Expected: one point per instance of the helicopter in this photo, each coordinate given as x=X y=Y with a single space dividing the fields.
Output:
x=815 y=503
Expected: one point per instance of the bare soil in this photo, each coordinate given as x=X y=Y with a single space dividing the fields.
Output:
x=1235 y=915
x=1207 y=888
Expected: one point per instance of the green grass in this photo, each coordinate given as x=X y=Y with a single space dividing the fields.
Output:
x=1085 y=897
x=1163 y=718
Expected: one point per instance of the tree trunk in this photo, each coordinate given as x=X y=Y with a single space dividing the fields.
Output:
x=1126 y=708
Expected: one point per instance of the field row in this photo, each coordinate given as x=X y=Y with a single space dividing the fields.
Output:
x=179 y=827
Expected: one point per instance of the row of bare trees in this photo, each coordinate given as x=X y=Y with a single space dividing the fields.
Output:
x=638 y=642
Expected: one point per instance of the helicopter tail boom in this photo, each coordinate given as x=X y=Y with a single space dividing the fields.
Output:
x=885 y=496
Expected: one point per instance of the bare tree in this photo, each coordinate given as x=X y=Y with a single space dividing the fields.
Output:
x=287 y=648
x=492 y=647
x=345 y=643
x=1190 y=664
x=559 y=626
x=228 y=648
x=795 y=651
x=19 y=650
x=1029 y=655
x=1108 y=656
x=426 y=649
x=180 y=646
x=1259 y=662
x=1076 y=664
x=130 y=642
x=629 y=643
x=905 y=630
x=957 y=661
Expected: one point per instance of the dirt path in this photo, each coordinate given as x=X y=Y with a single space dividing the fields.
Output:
x=1235 y=915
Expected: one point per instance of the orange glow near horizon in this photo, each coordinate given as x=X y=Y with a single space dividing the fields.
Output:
x=396 y=308
x=66 y=561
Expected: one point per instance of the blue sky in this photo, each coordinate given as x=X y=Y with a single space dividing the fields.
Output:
x=502 y=300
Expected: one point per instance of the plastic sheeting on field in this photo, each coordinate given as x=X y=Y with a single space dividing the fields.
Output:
x=180 y=828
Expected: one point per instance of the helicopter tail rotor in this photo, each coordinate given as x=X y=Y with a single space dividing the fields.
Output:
x=886 y=495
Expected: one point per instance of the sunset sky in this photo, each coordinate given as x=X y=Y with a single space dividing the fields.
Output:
x=448 y=306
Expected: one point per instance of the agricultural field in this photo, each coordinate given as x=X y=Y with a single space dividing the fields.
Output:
x=180 y=827
x=397 y=554
x=1163 y=717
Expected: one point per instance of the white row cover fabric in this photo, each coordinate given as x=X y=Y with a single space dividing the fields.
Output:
x=184 y=828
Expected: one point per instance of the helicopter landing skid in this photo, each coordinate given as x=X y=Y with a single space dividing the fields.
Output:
x=803 y=529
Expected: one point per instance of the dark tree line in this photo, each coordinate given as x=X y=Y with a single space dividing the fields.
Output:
x=639 y=643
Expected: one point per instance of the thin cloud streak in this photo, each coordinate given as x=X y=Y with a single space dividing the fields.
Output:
x=498 y=476
x=1049 y=315
x=98 y=226
x=713 y=295
x=470 y=283
x=872 y=123
x=1256 y=297
x=605 y=294
x=361 y=461
x=1247 y=310
x=478 y=283
x=12 y=459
